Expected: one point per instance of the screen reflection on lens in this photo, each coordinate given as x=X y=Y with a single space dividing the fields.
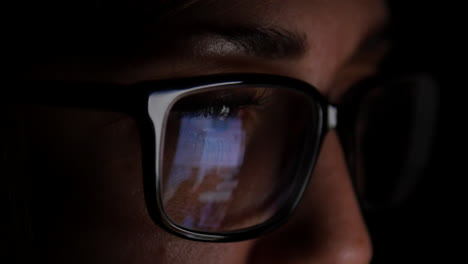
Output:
x=230 y=156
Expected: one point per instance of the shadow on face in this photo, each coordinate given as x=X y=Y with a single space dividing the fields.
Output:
x=87 y=203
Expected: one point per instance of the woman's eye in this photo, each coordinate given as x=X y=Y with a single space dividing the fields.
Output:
x=219 y=106
x=219 y=111
x=219 y=118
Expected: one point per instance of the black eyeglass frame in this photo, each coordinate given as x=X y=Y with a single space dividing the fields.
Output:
x=133 y=100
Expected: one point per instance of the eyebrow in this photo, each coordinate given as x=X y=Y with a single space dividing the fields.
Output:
x=252 y=40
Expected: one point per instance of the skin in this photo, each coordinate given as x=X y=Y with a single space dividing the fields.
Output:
x=101 y=215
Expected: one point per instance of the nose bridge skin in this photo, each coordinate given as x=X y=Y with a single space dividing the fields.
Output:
x=327 y=226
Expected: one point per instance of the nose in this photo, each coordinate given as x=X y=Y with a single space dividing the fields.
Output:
x=327 y=227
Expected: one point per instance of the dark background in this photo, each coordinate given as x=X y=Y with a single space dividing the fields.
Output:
x=427 y=227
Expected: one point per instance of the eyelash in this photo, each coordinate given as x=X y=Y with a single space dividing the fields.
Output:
x=222 y=106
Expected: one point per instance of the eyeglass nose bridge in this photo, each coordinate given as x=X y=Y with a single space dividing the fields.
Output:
x=332 y=119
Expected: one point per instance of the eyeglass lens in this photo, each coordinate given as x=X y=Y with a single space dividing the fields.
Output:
x=231 y=156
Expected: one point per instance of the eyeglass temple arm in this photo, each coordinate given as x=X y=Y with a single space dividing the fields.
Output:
x=89 y=95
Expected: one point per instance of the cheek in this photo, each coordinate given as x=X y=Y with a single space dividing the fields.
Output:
x=91 y=158
x=87 y=197
x=87 y=202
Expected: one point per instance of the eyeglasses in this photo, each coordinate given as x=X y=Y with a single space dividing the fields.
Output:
x=225 y=157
